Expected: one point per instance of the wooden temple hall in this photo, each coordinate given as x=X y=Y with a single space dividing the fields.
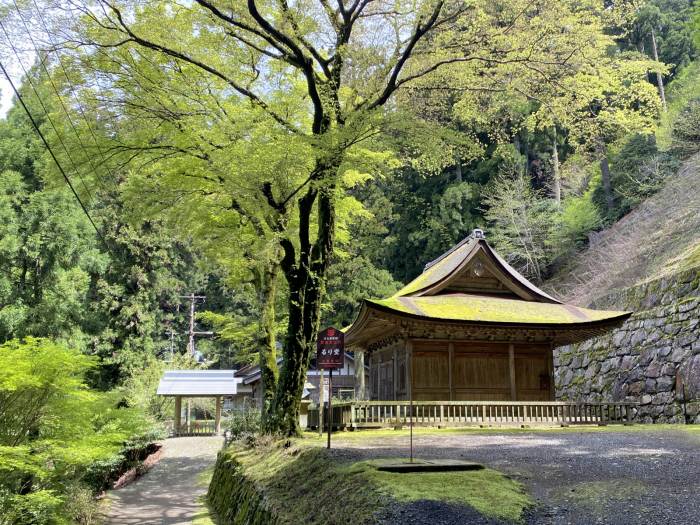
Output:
x=470 y=333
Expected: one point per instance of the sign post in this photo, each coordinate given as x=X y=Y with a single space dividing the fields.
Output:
x=330 y=354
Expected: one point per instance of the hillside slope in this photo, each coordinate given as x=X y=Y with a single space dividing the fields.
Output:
x=658 y=238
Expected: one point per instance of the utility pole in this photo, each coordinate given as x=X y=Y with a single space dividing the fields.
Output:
x=172 y=342
x=192 y=332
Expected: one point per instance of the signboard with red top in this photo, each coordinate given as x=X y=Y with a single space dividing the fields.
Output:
x=330 y=349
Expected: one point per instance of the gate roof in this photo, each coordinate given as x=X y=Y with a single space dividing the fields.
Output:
x=198 y=383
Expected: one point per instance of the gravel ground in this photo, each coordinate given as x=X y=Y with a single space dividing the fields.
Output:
x=168 y=493
x=617 y=477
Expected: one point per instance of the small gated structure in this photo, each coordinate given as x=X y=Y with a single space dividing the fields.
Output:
x=189 y=384
x=378 y=414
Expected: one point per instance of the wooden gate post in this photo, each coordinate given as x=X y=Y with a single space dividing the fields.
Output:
x=178 y=415
x=217 y=421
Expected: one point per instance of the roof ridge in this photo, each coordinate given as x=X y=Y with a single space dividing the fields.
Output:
x=475 y=234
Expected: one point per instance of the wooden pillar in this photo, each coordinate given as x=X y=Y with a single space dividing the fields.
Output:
x=217 y=420
x=187 y=415
x=408 y=345
x=395 y=372
x=360 y=388
x=511 y=367
x=450 y=368
x=178 y=415
x=550 y=371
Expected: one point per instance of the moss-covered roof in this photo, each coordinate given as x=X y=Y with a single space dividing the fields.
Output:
x=451 y=290
x=449 y=265
x=444 y=266
x=479 y=308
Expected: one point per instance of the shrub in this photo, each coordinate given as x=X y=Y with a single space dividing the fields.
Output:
x=81 y=505
x=244 y=422
x=637 y=170
x=685 y=137
x=41 y=507
x=67 y=440
x=579 y=217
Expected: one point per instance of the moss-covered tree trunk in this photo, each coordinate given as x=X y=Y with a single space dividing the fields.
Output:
x=306 y=276
x=269 y=372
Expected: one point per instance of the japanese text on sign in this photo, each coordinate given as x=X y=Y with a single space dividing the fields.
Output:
x=330 y=349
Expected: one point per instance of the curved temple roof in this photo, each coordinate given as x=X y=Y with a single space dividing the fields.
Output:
x=492 y=310
x=471 y=284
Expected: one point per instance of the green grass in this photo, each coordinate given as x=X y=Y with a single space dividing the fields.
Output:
x=488 y=491
x=302 y=483
x=204 y=516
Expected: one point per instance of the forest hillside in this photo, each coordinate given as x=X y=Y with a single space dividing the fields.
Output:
x=660 y=237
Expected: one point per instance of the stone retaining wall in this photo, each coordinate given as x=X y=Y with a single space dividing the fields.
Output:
x=654 y=358
x=234 y=498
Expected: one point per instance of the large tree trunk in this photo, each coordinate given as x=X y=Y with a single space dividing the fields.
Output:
x=269 y=373
x=659 y=76
x=306 y=275
x=556 y=177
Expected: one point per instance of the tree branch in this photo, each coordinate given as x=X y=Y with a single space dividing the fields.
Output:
x=205 y=67
x=305 y=64
x=418 y=33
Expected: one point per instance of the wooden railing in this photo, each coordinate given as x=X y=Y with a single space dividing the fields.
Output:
x=195 y=428
x=369 y=414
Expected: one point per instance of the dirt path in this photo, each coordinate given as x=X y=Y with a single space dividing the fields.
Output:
x=168 y=493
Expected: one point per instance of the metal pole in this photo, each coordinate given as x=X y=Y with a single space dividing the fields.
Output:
x=321 y=402
x=330 y=405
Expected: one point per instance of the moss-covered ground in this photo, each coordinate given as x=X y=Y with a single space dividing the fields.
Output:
x=302 y=482
x=589 y=494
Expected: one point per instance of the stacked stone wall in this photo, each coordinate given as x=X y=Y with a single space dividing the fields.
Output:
x=653 y=359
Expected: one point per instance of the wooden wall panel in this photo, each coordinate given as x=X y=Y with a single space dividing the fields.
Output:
x=482 y=395
x=386 y=380
x=480 y=372
x=430 y=373
x=430 y=370
x=532 y=378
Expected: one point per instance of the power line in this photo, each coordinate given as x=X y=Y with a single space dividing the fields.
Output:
x=72 y=90
x=46 y=111
x=53 y=156
x=55 y=90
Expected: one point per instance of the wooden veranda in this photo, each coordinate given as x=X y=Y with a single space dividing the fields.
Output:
x=442 y=414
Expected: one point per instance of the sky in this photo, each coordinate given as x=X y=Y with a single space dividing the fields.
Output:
x=5 y=97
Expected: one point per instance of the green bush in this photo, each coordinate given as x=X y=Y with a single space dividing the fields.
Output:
x=685 y=136
x=81 y=505
x=244 y=422
x=579 y=217
x=41 y=507
x=66 y=442
x=637 y=170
